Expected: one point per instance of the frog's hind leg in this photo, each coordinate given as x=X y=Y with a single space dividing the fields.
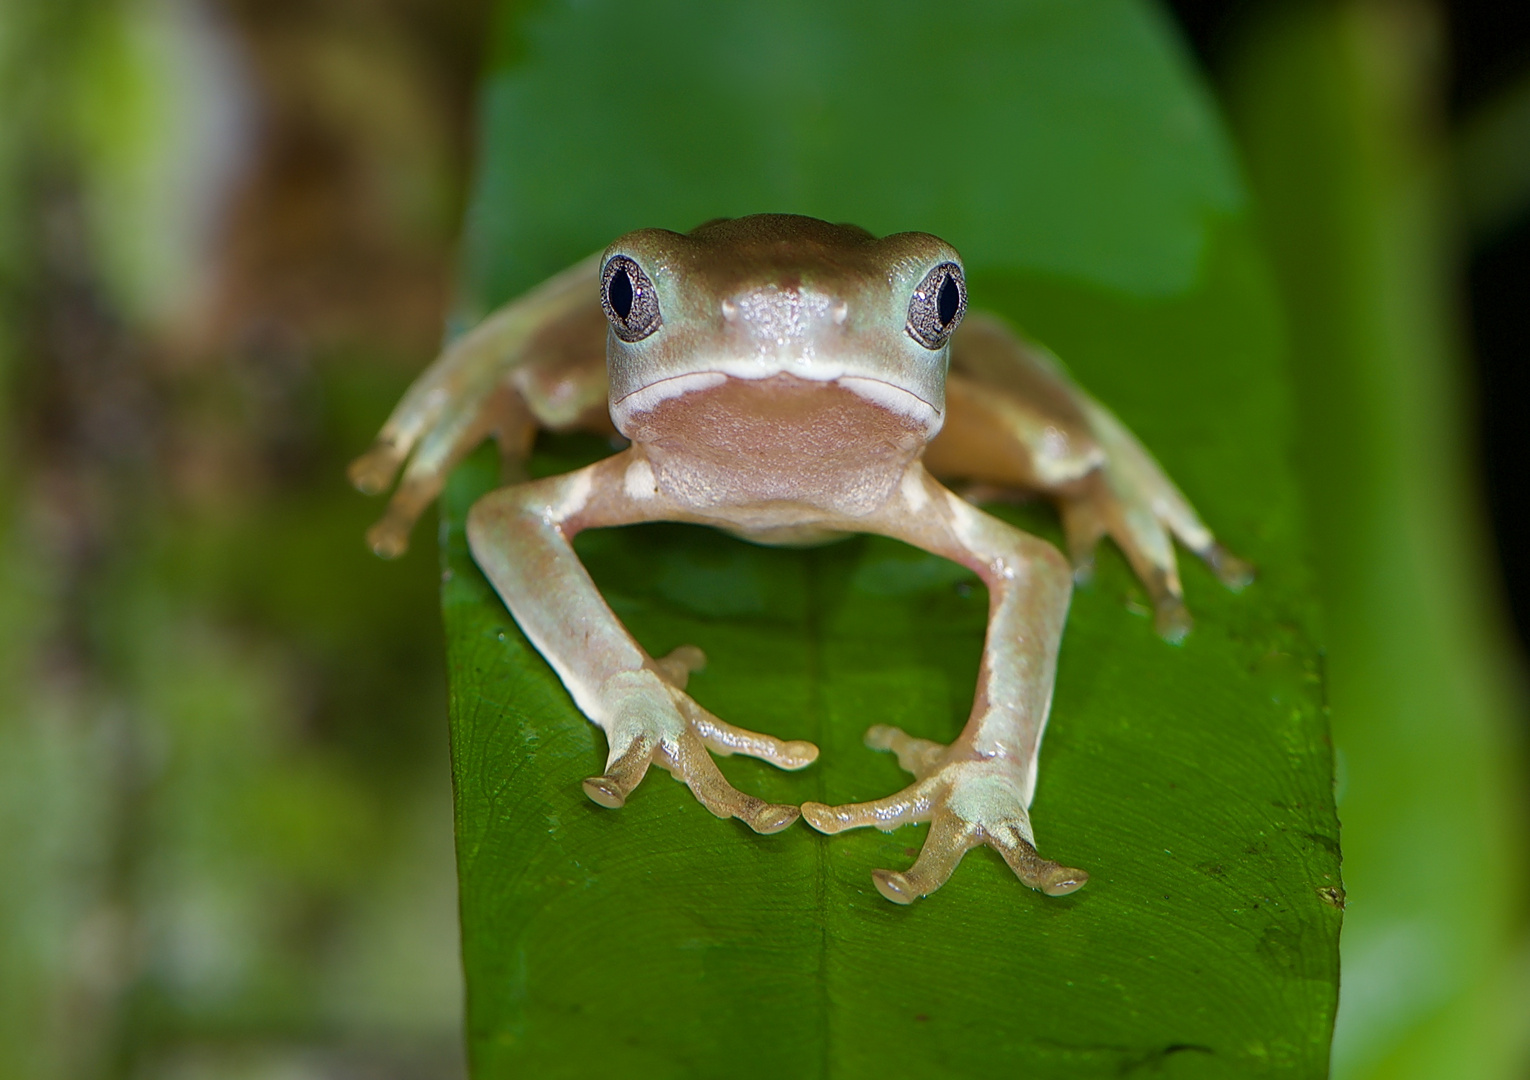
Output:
x=501 y=415
x=1016 y=422
x=531 y=363
x=1143 y=511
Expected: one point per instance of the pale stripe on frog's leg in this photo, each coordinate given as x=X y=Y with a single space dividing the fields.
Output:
x=521 y=538
x=978 y=789
x=460 y=400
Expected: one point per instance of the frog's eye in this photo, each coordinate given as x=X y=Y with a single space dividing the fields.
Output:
x=629 y=298
x=938 y=304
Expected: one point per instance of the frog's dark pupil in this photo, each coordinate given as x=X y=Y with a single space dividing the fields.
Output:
x=949 y=300
x=620 y=294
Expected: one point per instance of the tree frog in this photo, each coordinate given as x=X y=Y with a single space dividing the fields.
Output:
x=790 y=381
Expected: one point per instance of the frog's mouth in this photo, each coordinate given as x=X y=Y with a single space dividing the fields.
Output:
x=837 y=446
x=901 y=402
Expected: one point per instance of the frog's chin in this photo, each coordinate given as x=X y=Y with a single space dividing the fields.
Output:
x=903 y=403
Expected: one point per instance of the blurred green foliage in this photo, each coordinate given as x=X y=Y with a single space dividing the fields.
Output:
x=1094 y=94
x=225 y=843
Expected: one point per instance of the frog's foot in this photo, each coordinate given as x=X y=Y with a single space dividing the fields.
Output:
x=967 y=800
x=431 y=435
x=655 y=723
x=1142 y=512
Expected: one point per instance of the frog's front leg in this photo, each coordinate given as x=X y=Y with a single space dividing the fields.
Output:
x=978 y=789
x=521 y=537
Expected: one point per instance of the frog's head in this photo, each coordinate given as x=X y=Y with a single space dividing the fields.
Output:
x=781 y=295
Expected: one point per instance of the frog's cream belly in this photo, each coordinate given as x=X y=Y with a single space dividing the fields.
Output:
x=779 y=444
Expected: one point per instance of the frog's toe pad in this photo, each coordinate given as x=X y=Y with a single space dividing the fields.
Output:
x=1044 y=875
x=1232 y=571
x=604 y=791
x=770 y=817
x=894 y=886
x=1172 y=619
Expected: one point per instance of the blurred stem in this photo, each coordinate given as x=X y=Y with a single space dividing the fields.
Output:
x=1336 y=105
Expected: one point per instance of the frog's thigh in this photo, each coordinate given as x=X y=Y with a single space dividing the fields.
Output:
x=564 y=383
x=1013 y=419
x=997 y=441
x=994 y=436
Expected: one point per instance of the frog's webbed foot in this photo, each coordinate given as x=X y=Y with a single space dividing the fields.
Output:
x=967 y=800
x=654 y=722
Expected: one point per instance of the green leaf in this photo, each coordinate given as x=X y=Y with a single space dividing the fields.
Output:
x=1065 y=148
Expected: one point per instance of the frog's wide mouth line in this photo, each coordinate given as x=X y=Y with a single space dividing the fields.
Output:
x=885 y=395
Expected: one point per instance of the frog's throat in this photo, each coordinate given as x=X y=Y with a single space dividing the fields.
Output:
x=897 y=400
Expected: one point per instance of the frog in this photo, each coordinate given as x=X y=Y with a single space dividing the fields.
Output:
x=792 y=381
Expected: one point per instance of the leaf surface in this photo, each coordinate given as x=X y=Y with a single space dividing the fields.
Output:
x=1067 y=151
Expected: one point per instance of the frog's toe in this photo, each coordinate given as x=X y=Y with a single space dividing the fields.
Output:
x=917 y=756
x=623 y=773
x=688 y=760
x=725 y=739
x=605 y=791
x=949 y=839
x=1084 y=526
x=680 y=664
x=373 y=472
x=772 y=818
x=389 y=538
x=1232 y=571
x=910 y=805
x=1052 y=878
x=1172 y=619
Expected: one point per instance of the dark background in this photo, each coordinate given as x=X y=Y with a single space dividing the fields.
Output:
x=1487 y=48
